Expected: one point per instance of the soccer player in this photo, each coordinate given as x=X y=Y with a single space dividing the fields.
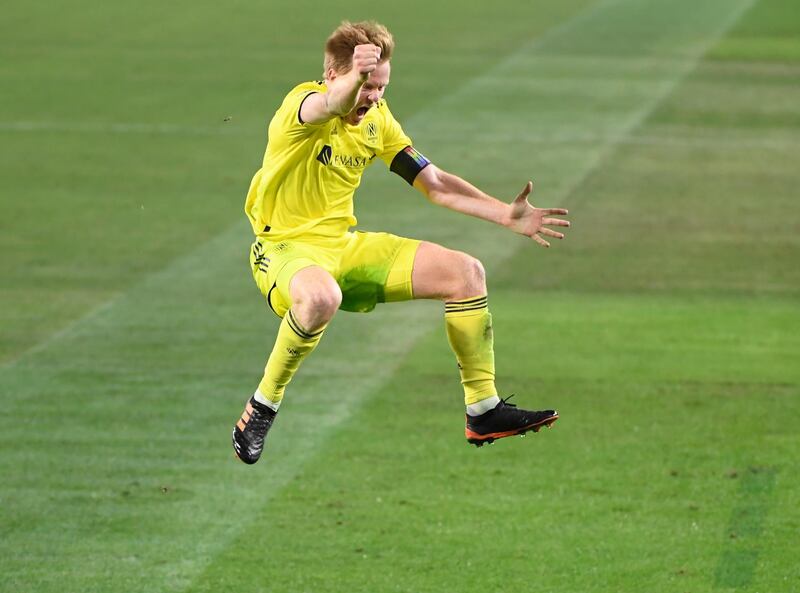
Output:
x=308 y=264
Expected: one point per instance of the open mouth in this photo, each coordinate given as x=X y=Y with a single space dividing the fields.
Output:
x=362 y=111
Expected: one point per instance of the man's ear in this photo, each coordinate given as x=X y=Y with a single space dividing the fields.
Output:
x=331 y=74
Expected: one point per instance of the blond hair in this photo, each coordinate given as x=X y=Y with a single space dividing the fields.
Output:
x=340 y=45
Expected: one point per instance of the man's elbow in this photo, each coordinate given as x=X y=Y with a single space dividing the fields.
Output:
x=429 y=183
x=437 y=197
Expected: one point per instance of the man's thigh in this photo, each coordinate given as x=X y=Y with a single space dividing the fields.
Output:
x=275 y=263
x=441 y=273
x=376 y=268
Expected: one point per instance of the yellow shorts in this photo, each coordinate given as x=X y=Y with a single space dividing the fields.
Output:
x=370 y=268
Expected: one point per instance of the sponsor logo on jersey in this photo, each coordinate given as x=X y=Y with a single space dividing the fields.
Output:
x=349 y=161
x=324 y=155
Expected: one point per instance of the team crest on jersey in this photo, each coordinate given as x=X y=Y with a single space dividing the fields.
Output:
x=371 y=132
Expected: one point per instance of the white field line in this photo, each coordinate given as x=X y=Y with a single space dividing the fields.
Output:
x=122 y=128
x=714 y=139
x=706 y=140
x=64 y=332
x=719 y=143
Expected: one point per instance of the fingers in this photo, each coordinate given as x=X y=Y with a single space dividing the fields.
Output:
x=552 y=222
x=551 y=233
x=540 y=241
x=523 y=195
x=366 y=58
x=551 y=211
x=555 y=222
x=367 y=49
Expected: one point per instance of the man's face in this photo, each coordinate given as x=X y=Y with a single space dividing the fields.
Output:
x=371 y=92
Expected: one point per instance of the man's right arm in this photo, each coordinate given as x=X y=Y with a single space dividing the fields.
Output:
x=342 y=94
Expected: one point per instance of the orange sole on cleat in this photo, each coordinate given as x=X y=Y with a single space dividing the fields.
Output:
x=477 y=439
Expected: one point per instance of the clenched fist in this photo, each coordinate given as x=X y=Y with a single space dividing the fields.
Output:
x=365 y=59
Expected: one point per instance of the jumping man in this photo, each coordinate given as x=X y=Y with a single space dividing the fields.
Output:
x=308 y=264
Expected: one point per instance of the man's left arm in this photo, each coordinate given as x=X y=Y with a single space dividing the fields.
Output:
x=448 y=190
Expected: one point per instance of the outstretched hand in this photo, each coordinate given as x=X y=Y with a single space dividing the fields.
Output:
x=525 y=219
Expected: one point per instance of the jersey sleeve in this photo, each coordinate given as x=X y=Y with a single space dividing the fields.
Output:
x=286 y=123
x=398 y=152
x=394 y=138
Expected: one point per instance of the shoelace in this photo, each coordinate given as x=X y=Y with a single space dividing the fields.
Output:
x=505 y=401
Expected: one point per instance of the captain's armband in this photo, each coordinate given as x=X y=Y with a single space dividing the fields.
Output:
x=408 y=163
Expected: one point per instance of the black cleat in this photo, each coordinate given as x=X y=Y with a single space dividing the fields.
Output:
x=505 y=420
x=251 y=430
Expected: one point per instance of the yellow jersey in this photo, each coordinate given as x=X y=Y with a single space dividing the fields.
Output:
x=310 y=172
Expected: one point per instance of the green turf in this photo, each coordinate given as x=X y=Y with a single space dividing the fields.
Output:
x=768 y=34
x=624 y=493
x=664 y=328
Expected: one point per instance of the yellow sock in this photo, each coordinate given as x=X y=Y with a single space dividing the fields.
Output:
x=292 y=345
x=469 y=331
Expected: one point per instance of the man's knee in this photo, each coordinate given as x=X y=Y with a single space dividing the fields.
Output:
x=315 y=299
x=323 y=301
x=476 y=273
x=472 y=276
x=467 y=277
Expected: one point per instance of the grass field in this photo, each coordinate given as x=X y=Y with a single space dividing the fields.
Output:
x=664 y=329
